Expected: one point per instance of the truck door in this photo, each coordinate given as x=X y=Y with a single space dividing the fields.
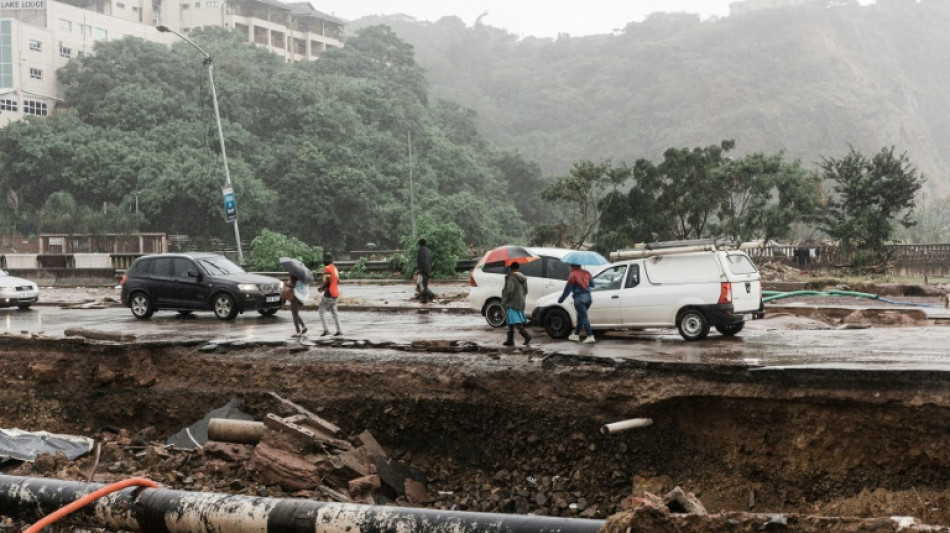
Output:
x=605 y=296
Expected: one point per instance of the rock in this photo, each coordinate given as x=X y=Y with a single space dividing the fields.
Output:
x=678 y=501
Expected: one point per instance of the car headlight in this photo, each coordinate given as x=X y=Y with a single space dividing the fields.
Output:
x=248 y=287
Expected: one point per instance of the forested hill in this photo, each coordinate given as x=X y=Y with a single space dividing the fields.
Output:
x=811 y=80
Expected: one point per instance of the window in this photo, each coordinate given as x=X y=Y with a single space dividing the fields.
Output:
x=181 y=267
x=7 y=104
x=120 y=5
x=197 y=5
x=36 y=73
x=211 y=3
x=6 y=54
x=634 y=278
x=533 y=269
x=135 y=9
x=65 y=25
x=185 y=6
x=740 y=264
x=101 y=34
x=610 y=279
x=36 y=46
x=65 y=51
x=34 y=107
x=557 y=269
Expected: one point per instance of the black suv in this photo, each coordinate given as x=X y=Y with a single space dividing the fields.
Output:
x=197 y=282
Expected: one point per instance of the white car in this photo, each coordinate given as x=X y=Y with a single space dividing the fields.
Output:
x=545 y=275
x=17 y=292
x=689 y=291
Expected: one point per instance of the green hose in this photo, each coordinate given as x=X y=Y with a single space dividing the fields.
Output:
x=768 y=296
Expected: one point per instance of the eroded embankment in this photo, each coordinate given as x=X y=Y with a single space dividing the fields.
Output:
x=512 y=433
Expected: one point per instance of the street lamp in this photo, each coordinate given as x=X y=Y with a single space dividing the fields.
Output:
x=217 y=117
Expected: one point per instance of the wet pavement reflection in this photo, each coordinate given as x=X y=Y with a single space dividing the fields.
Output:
x=759 y=345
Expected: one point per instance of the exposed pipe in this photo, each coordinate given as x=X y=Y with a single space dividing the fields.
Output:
x=174 y=511
x=623 y=425
x=235 y=430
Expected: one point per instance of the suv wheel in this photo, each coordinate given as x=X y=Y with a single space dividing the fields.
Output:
x=224 y=307
x=692 y=325
x=141 y=305
x=730 y=329
x=495 y=314
x=23 y=307
x=557 y=323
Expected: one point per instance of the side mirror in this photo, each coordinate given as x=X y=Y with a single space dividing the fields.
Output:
x=193 y=274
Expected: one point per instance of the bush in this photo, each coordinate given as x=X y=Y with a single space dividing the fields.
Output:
x=446 y=241
x=399 y=263
x=358 y=270
x=269 y=246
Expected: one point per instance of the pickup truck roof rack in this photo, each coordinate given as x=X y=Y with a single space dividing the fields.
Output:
x=650 y=249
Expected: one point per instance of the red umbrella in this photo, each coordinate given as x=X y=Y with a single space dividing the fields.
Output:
x=508 y=255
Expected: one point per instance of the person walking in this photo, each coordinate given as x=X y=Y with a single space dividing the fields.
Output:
x=579 y=283
x=512 y=299
x=424 y=265
x=331 y=292
x=301 y=291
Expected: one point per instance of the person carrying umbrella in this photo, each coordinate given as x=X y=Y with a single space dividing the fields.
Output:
x=512 y=299
x=300 y=278
x=579 y=283
x=297 y=301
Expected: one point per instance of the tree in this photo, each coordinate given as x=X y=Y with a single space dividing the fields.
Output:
x=579 y=196
x=763 y=196
x=869 y=197
x=690 y=191
x=445 y=241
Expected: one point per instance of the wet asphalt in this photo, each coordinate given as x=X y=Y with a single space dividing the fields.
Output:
x=386 y=313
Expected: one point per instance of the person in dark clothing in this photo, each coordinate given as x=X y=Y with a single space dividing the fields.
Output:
x=424 y=264
x=512 y=299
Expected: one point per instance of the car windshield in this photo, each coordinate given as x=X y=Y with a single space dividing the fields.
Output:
x=219 y=266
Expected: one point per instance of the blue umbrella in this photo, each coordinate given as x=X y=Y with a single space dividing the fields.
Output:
x=584 y=258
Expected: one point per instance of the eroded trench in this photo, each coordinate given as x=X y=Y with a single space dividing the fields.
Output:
x=511 y=432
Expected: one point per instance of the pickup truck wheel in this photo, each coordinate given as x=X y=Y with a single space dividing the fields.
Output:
x=557 y=323
x=495 y=313
x=730 y=329
x=692 y=325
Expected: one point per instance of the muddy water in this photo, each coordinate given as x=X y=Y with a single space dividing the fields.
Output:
x=516 y=433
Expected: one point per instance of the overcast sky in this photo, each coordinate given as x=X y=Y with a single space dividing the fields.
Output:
x=529 y=17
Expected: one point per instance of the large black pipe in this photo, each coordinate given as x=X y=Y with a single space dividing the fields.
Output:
x=175 y=511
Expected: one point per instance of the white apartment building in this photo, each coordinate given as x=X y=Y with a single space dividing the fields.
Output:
x=37 y=37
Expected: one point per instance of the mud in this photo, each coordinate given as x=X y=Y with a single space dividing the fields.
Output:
x=511 y=432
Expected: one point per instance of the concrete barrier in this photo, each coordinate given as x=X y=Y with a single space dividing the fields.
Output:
x=68 y=277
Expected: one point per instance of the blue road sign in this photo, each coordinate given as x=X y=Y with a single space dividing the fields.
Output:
x=230 y=204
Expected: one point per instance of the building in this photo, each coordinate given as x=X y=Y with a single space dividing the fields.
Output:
x=37 y=37
x=747 y=6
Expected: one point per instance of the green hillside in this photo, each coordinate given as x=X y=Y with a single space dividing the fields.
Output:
x=811 y=80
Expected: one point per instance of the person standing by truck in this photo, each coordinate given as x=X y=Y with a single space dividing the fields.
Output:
x=578 y=284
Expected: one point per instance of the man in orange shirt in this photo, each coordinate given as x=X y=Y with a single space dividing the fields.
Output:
x=331 y=291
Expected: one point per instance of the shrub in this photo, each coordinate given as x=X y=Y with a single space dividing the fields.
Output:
x=446 y=241
x=269 y=246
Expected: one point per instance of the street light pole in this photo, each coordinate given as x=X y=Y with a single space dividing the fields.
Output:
x=217 y=117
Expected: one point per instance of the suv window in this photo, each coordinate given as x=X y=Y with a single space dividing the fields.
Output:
x=740 y=264
x=610 y=279
x=161 y=267
x=181 y=266
x=557 y=269
x=533 y=269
